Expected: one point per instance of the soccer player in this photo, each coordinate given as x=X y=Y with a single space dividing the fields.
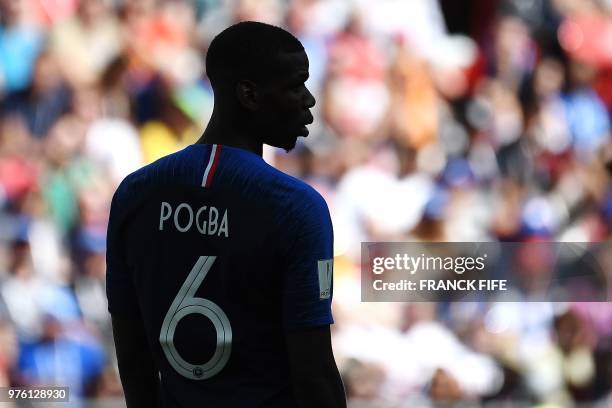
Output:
x=219 y=267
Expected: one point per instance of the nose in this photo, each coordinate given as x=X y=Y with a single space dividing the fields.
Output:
x=310 y=99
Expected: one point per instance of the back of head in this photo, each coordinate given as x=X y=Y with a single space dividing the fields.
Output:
x=247 y=50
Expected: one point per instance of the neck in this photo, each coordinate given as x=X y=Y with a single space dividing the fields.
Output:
x=229 y=133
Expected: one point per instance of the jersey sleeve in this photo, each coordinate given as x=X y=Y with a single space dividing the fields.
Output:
x=308 y=279
x=120 y=291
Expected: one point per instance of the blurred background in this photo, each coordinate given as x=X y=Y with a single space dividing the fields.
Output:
x=449 y=120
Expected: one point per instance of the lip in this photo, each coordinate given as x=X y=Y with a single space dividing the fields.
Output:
x=309 y=119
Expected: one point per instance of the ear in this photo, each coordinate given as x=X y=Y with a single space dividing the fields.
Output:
x=246 y=92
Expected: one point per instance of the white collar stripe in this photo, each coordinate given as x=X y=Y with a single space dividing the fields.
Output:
x=211 y=160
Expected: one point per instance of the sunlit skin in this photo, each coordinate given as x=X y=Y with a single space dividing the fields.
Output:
x=273 y=111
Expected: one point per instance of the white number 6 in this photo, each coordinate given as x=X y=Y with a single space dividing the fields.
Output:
x=184 y=304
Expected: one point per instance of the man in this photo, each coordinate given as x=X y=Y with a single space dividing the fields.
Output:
x=219 y=275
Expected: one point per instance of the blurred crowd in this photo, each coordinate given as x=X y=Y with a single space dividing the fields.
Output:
x=436 y=120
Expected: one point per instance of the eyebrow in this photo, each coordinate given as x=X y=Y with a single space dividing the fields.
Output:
x=301 y=76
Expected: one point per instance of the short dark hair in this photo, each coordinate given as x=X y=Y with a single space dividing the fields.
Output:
x=247 y=50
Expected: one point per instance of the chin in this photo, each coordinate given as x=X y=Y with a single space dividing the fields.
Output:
x=290 y=146
x=286 y=144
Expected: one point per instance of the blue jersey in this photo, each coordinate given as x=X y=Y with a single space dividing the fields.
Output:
x=220 y=254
